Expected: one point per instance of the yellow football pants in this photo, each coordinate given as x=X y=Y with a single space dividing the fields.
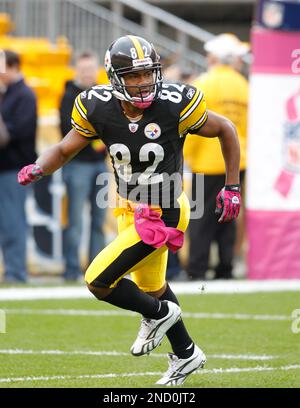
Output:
x=127 y=253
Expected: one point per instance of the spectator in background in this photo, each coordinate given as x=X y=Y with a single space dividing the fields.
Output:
x=177 y=73
x=18 y=120
x=81 y=173
x=239 y=63
x=226 y=91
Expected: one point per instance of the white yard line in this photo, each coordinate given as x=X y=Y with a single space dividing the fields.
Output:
x=110 y=313
x=242 y=357
x=233 y=370
x=70 y=312
x=208 y=287
x=113 y=353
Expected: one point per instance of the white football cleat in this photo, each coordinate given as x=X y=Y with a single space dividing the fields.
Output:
x=152 y=331
x=179 y=369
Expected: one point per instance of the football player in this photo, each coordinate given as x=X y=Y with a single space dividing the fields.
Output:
x=143 y=123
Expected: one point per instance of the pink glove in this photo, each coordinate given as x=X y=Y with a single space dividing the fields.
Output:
x=29 y=174
x=228 y=203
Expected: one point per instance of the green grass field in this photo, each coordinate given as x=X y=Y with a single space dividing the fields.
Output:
x=61 y=343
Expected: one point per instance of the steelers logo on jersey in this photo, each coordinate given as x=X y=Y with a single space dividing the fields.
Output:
x=152 y=131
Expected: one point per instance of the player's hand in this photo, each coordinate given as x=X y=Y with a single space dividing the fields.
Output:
x=228 y=203
x=29 y=174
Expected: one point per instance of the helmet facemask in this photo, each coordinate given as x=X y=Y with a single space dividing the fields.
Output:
x=142 y=101
x=123 y=58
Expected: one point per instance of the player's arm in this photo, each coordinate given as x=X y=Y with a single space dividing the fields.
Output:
x=218 y=126
x=79 y=137
x=54 y=158
x=228 y=200
x=196 y=119
x=60 y=154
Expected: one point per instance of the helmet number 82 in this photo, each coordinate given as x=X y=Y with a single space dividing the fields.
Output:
x=134 y=53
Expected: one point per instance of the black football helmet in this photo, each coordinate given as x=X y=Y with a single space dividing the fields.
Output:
x=127 y=54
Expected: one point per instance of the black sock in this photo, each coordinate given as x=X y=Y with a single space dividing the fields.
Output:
x=178 y=336
x=127 y=295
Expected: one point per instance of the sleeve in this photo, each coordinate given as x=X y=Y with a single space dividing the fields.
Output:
x=79 y=119
x=194 y=115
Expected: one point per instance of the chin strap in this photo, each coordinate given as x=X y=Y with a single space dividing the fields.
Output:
x=137 y=102
x=141 y=105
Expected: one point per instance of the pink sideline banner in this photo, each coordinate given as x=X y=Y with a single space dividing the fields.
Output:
x=275 y=51
x=273 y=179
x=274 y=244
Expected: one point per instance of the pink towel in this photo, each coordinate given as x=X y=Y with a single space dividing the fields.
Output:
x=153 y=231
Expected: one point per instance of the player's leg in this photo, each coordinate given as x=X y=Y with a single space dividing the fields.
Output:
x=187 y=356
x=105 y=280
x=151 y=278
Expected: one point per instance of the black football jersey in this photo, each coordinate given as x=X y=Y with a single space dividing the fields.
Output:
x=146 y=155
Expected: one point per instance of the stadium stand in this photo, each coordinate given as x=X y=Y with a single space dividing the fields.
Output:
x=46 y=66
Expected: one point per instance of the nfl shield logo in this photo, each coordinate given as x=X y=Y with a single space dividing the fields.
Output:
x=133 y=127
